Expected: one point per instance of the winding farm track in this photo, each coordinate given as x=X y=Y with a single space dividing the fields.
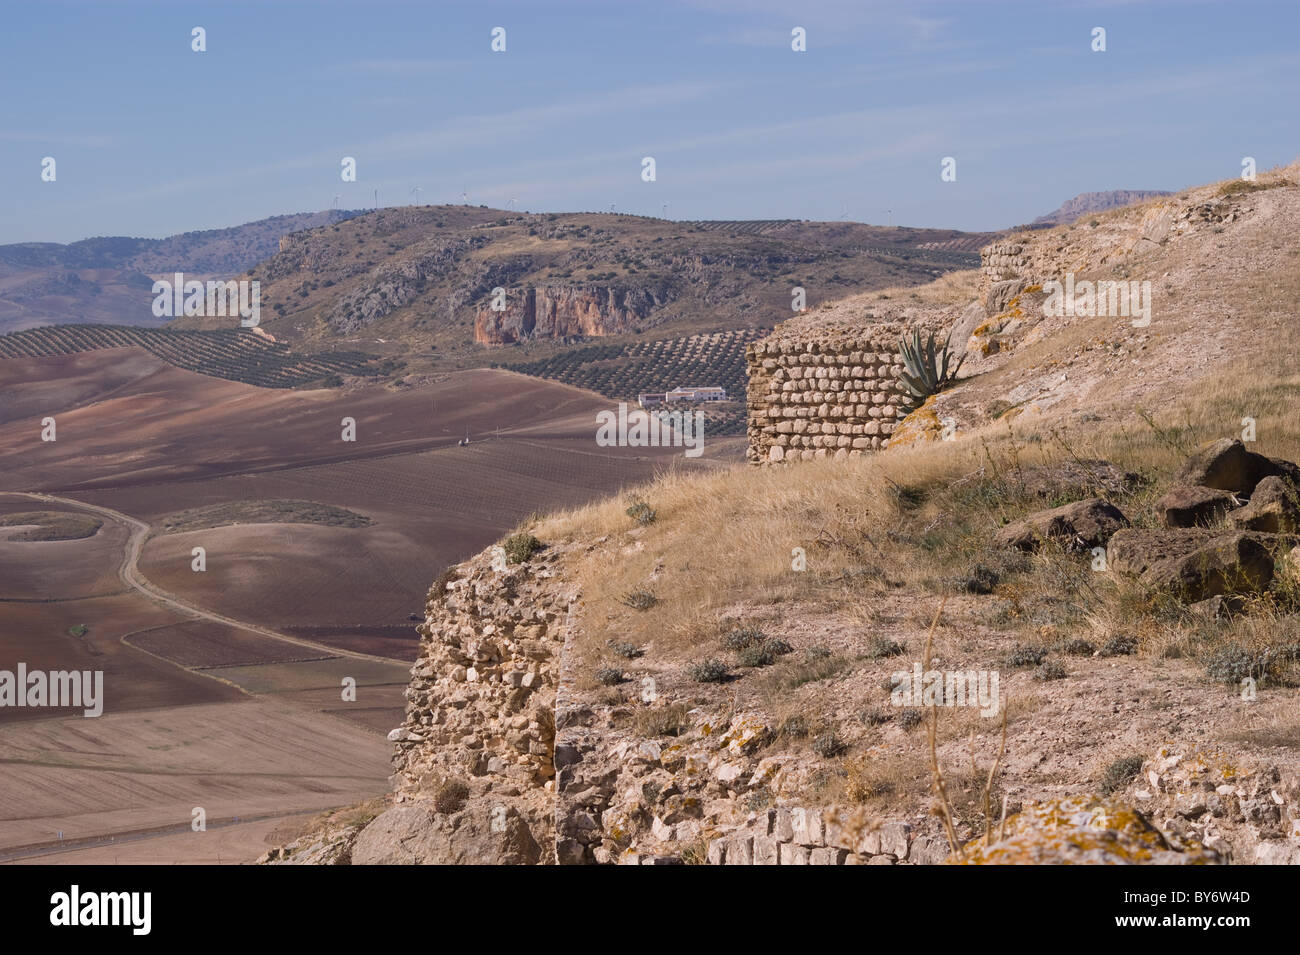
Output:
x=129 y=572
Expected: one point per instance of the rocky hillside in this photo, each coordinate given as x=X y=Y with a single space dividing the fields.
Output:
x=109 y=280
x=1087 y=203
x=1095 y=584
x=423 y=278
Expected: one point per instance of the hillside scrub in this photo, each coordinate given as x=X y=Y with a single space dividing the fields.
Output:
x=908 y=528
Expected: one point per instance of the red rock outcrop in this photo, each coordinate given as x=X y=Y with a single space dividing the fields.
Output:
x=557 y=311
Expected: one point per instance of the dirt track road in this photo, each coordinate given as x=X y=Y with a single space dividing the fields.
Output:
x=129 y=572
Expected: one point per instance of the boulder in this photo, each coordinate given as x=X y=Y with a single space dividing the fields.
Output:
x=1080 y=525
x=1218 y=607
x=1227 y=465
x=401 y=836
x=970 y=319
x=1133 y=550
x=1001 y=294
x=414 y=835
x=1274 y=508
x=1189 y=505
x=1194 y=565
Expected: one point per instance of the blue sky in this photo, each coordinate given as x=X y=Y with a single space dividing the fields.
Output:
x=151 y=138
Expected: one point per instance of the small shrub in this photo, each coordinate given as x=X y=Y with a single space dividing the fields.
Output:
x=451 y=796
x=519 y=547
x=1234 y=663
x=707 y=671
x=883 y=647
x=609 y=676
x=1023 y=656
x=980 y=580
x=875 y=717
x=777 y=647
x=743 y=637
x=641 y=512
x=1120 y=646
x=759 y=656
x=1119 y=773
x=77 y=630
x=628 y=651
x=1078 y=648
x=639 y=599
x=829 y=745
x=758 y=800
x=909 y=718
x=1049 y=670
x=813 y=654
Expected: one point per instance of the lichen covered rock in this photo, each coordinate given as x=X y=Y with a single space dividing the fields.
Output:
x=1085 y=830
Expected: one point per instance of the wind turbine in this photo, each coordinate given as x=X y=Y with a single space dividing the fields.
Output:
x=464 y=197
x=415 y=191
x=665 y=210
x=335 y=204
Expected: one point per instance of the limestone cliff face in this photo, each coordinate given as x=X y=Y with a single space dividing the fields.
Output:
x=558 y=311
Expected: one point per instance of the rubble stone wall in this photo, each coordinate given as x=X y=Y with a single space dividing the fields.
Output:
x=480 y=705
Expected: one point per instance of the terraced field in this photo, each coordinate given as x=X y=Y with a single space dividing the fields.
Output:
x=232 y=354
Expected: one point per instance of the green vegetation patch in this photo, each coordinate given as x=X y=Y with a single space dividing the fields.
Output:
x=519 y=547
x=262 y=512
x=51 y=525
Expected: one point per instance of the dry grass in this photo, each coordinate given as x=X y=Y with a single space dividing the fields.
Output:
x=954 y=288
x=916 y=519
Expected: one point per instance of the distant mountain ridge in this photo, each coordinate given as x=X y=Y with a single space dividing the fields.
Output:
x=1086 y=203
x=454 y=281
x=107 y=279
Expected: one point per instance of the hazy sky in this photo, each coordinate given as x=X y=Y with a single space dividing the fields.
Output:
x=151 y=138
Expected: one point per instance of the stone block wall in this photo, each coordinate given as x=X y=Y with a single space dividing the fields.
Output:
x=823 y=397
x=1000 y=261
x=802 y=836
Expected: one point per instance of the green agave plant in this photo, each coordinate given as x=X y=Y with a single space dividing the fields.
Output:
x=927 y=369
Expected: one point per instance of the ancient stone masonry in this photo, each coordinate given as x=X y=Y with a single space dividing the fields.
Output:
x=825 y=397
x=480 y=713
x=801 y=836
x=1117 y=245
